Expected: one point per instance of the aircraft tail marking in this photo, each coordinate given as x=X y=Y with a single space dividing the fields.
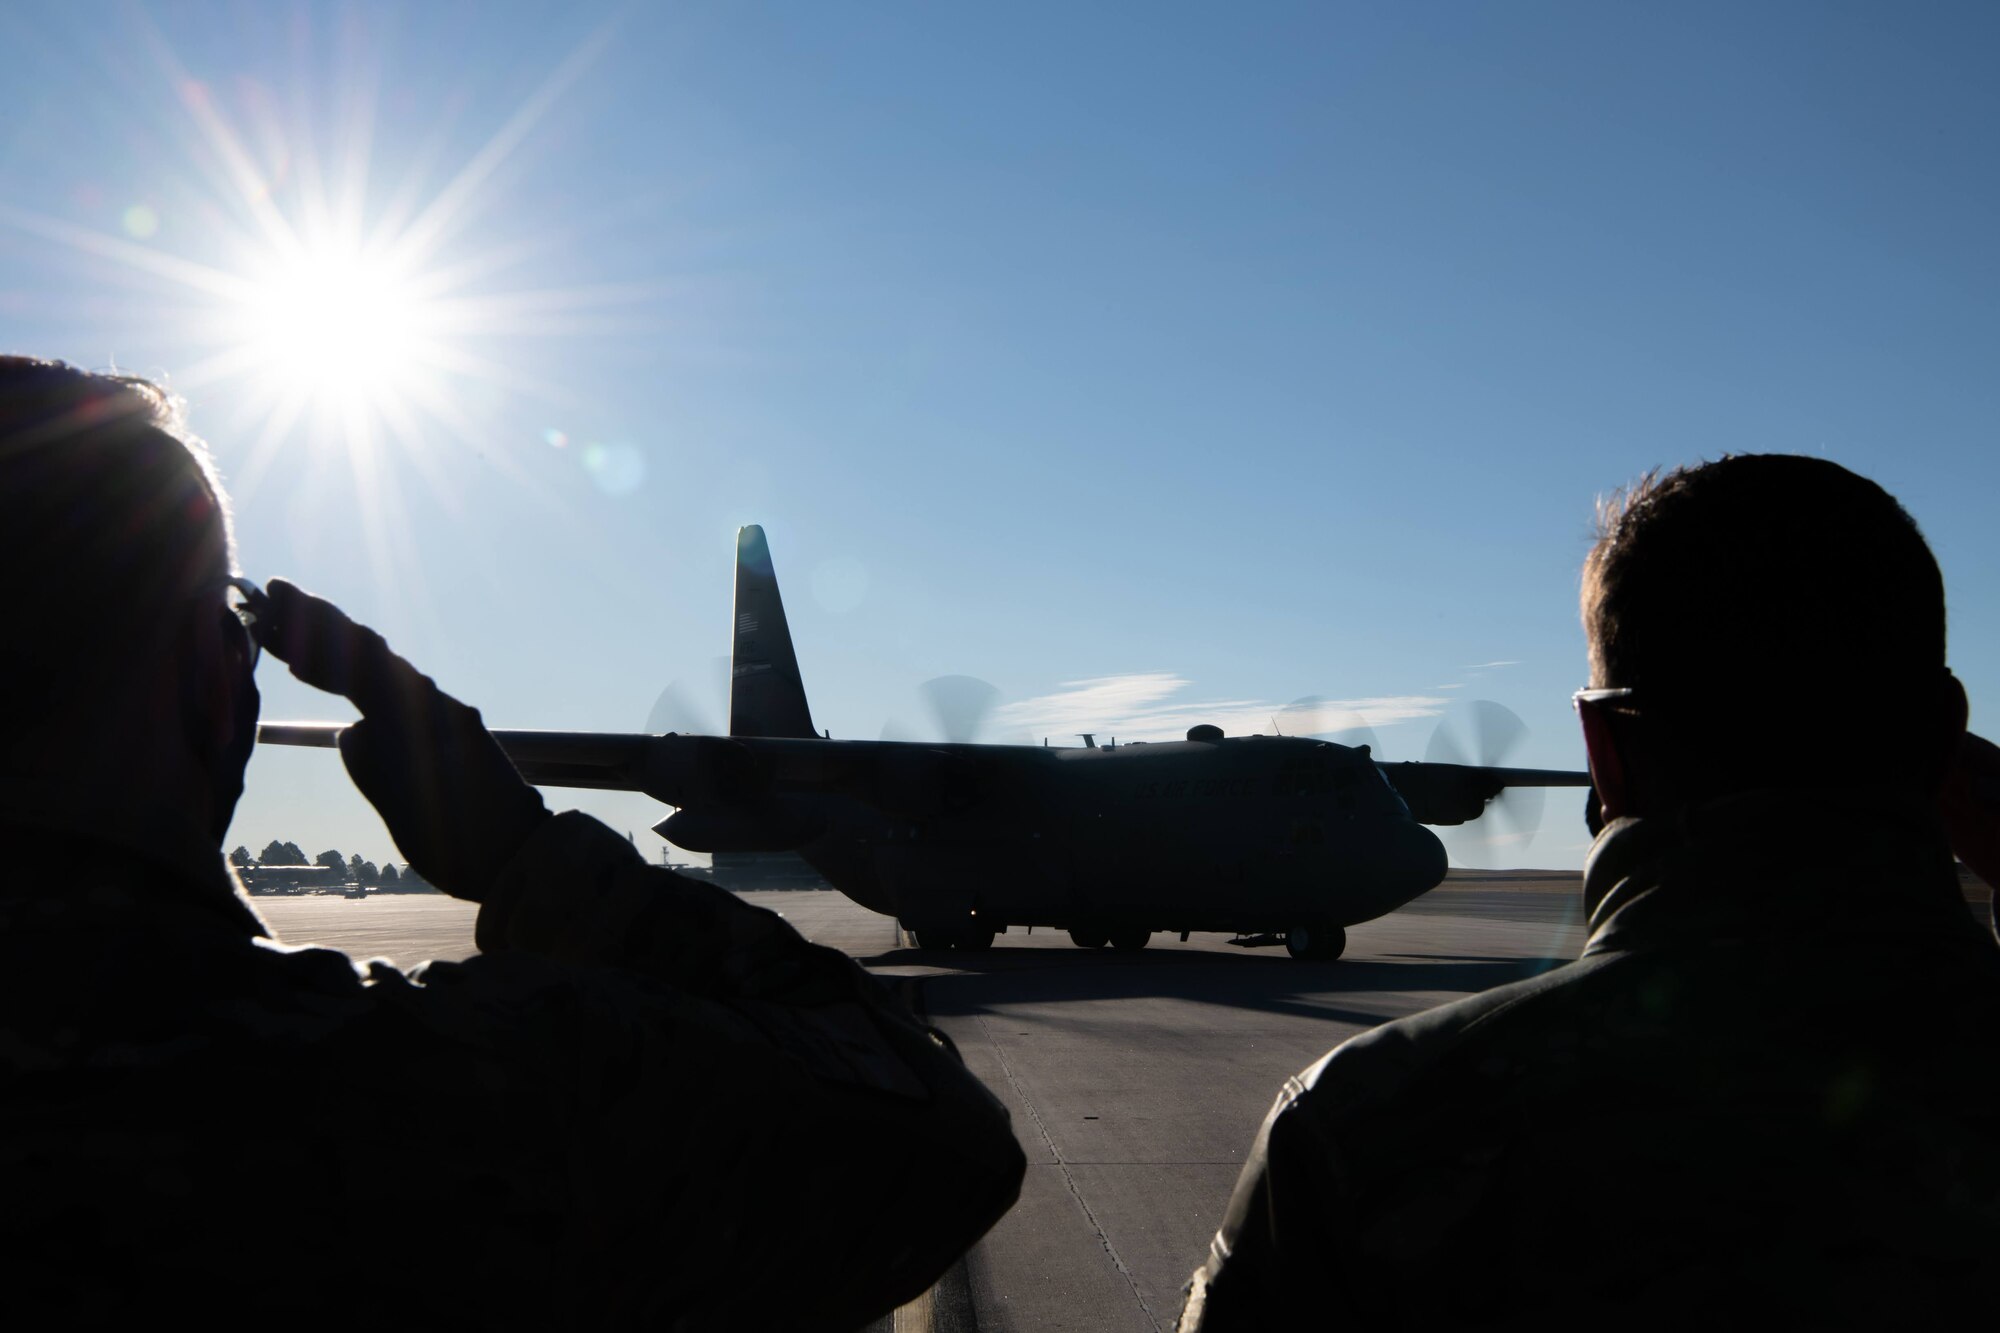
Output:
x=766 y=695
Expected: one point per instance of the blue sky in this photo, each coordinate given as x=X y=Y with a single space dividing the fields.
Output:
x=1217 y=358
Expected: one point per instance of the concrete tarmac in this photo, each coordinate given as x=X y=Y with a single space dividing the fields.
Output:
x=1136 y=1080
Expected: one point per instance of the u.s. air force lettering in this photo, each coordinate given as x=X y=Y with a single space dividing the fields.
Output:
x=1200 y=789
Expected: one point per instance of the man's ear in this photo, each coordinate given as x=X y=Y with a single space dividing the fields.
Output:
x=1970 y=803
x=1958 y=710
x=1948 y=719
x=1610 y=781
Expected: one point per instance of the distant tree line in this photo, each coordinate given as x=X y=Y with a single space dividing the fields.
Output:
x=284 y=866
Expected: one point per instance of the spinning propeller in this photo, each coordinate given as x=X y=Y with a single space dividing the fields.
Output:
x=1476 y=733
x=1489 y=733
x=959 y=706
x=694 y=706
x=1323 y=719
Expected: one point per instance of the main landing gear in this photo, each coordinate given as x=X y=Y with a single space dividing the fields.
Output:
x=973 y=938
x=1317 y=944
x=1125 y=941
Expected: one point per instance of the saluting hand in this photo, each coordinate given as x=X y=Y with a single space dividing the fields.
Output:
x=451 y=798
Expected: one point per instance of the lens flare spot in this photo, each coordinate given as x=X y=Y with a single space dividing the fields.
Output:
x=555 y=439
x=618 y=469
x=141 y=223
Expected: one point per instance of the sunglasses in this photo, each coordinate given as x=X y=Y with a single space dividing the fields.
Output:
x=1616 y=700
x=1596 y=709
x=252 y=609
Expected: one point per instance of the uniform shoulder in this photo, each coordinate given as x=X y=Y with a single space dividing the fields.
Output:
x=1389 y=1063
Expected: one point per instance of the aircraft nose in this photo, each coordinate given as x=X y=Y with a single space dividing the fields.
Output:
x=1408 y=861
x=1425 y=858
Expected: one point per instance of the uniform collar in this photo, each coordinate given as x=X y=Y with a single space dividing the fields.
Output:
x=1768 y=863
x=55 y=839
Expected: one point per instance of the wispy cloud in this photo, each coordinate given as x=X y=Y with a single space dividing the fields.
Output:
x=1489 y=666
x=1143 y=706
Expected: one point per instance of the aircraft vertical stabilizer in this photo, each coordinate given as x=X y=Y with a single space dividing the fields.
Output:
x=766 y=695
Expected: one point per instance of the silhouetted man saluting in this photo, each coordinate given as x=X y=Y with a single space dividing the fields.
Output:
x=1768 y=1094
x=643 y=1105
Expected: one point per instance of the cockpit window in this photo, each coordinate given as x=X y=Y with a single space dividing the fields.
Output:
x=1322 y=771
x=1390 y=788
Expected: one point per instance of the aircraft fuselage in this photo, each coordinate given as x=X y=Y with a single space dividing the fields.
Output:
x=1250 y=834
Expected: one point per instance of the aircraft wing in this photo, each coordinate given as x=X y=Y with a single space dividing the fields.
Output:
x=1456 y=793
x=1530 y=777
x=731 y=795
x=320 y=735
x=678 y=770
x=604 y=760
x=758 y=782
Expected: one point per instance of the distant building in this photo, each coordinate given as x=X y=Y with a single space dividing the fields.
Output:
x=293 y=879
x=740 y=871
x=305 y=879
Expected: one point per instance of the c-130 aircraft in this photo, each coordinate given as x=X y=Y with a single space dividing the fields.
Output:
x=1273 y=839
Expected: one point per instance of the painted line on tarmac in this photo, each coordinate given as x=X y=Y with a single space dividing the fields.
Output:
x=914 y=1317
x=947 y=1306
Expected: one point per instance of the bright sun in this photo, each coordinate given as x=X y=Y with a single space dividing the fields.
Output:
x=334 y=313
x=337 y=325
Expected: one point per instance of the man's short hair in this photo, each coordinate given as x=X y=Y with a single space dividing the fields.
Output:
x=111 y=518
x=1769 y=600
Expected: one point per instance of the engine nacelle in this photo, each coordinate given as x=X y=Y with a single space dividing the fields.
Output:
x=703 y=772
x=774 y=826
x=1442 y=793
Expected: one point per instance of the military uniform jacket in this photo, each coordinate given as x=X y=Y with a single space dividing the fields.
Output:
x=643 y=1105
x=1767 y=1094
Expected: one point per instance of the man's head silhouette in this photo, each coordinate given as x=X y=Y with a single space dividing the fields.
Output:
x=1778 y=621
x=121 y=668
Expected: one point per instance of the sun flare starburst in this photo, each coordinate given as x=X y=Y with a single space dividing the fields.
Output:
x=329 y=309
x=350 y=304
x=336 y=324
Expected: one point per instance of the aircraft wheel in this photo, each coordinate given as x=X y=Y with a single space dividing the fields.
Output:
x=1128 y=941
x=1088 y=939
x=933 y=939
x=1319 y=944
x=974 y=939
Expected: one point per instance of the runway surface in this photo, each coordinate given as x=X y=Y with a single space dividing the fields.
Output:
x=1136 y=1081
